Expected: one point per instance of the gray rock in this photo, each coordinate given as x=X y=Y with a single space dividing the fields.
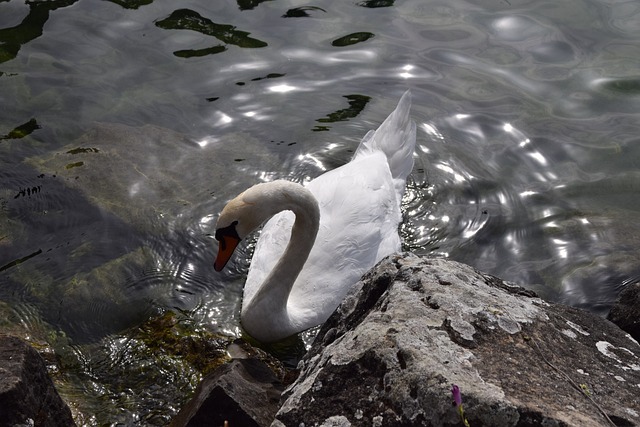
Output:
x=626 y=311
x=414 y=326
x=27 y=394
x=244 y=392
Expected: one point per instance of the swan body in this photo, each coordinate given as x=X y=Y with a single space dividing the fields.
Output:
x=319 y=239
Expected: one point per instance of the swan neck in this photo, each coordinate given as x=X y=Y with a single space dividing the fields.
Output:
x=288 y=267
x=267 y=312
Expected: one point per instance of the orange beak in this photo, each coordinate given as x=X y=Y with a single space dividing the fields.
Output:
x=227 y=244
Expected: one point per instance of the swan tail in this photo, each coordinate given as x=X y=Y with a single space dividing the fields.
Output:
x=396 y=137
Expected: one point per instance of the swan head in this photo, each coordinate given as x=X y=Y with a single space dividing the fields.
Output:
x=252 y=208
x=236 y=221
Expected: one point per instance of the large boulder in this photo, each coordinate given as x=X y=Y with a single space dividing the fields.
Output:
x=27 y=394
x=414 y=326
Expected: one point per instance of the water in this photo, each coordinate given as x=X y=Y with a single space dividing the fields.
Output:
x=126 y=125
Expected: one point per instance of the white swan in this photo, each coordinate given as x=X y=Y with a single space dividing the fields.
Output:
x=352 y=215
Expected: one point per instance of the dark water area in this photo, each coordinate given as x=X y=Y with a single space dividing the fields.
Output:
x=125 y=126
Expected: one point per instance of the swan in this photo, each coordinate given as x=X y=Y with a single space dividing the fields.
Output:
x=320 y=238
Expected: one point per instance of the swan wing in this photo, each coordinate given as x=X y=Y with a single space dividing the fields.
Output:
x=396 y=138
x=359 y=217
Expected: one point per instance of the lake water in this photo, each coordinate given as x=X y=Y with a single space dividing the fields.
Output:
x=127 y=124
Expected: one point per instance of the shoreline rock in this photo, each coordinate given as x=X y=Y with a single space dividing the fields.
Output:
x=414 y=326
x=27 y=393
x=388 y=356
x=243 y=392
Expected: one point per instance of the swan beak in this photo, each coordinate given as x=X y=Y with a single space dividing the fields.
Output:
x=225 y=249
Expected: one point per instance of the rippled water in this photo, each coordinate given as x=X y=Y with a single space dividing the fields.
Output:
x=126 y=125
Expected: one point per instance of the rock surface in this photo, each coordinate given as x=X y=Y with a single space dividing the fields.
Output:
x=27 y=394
x=244 y=392
x=626 y=311
x=414 y=326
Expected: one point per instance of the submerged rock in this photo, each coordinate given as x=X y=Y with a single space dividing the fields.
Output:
x=153 y=173
x=414 y=326
x=27 y=394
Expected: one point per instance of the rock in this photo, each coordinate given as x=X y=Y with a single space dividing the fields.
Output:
x=27 y=394
x=414 y=326
x=626 y=311
x=245 y=392
x=146 y=169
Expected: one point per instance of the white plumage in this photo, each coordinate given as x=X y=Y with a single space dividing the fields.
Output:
x=359 y=215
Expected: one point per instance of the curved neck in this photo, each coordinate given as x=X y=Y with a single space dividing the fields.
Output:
x=266 y=314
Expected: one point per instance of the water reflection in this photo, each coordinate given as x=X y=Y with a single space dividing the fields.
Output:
x=357 y=103
x=283 y=88
x=377 y=3
x=301 y=12
x=131 y=4
x=351 y=39
x=506 y=184
x=185 y=19
x=249 y=4
x=31 y=27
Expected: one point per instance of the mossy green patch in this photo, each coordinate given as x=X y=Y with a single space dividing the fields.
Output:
x=176 y=336
x=73 y=165
x=22 y=130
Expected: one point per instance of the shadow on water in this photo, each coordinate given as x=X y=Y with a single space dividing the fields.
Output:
x=31 y=27
x=131 y=4
x=185 y=19
x=357 y=104
x=377 y=3
x=351 y=39
x=249 y=4
x=96 y=255
x=80 y=275
x=302 y=12
x=57 y=245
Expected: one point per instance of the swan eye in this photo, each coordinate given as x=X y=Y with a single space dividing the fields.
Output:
x=228 y=231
